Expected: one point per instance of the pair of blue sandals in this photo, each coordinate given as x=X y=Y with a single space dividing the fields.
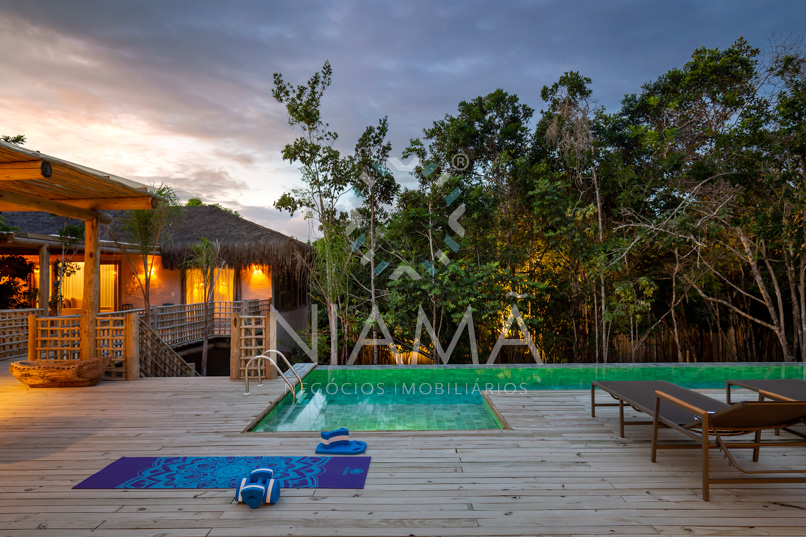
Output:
x=261 y=487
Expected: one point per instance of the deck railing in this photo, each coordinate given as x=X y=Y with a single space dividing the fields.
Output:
x=122 y=336
x=250 y=336
x=184 y=323
x=14 y=332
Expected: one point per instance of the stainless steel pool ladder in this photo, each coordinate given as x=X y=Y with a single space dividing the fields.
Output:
x=273 y=362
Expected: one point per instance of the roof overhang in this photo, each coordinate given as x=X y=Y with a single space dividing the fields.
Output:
x=32 y=181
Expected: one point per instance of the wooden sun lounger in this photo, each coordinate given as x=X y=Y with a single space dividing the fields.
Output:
x=775 y=389
x=700 y=417
x=640 y=394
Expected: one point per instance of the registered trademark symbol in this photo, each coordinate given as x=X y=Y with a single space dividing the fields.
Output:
x=460 y=161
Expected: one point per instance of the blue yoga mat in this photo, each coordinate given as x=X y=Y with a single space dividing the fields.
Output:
x=224 y=472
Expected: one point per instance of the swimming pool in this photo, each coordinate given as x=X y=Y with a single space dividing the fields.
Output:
x=451 y=397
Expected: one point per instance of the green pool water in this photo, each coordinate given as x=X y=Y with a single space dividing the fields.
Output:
x=446 y=398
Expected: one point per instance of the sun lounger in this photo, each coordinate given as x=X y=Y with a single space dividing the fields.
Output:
x=640 y=394
x=775 y=389
x=700 y=417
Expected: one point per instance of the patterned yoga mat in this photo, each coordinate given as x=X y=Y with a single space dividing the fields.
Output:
x=224 y=472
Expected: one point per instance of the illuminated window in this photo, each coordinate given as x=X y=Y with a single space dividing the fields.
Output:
x=194 y=286
x=73 y=286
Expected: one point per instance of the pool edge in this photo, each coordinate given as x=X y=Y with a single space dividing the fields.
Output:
x=273 y=404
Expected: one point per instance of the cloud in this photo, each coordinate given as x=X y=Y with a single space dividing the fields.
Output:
x=296 y=226
x=181 y=90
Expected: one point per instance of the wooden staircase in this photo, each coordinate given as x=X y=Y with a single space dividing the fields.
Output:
x=158 y=359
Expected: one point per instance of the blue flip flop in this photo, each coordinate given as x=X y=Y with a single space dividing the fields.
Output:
x=338 y=442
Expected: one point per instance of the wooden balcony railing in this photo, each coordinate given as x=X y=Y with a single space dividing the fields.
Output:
x=14 y=332
x=133 y=348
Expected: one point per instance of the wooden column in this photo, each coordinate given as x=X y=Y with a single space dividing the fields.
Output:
x=235 y=348
x=44 y=279
x=132 y=346
x=270 y=340
x=92 y=288
x=33 y=354
x=271 y=329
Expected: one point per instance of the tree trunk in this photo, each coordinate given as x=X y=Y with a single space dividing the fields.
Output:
x=205 y=335
x=334 y=333
x=372 y=269
x=605 y=330
x=777 y=322
x=674 y=305
x=791 y=278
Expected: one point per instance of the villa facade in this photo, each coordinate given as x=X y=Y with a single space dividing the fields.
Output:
x=260 y=263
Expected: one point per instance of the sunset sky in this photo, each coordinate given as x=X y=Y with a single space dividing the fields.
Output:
x=180 y=92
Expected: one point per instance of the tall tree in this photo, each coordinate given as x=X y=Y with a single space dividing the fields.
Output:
x=377 y=187
x=569 y=126
x=327 y=176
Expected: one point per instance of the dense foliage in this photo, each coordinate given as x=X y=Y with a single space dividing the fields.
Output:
x=669 y=230
x=15 y=291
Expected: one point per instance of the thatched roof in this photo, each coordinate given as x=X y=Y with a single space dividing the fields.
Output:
x=242 y=242
x=41 y=223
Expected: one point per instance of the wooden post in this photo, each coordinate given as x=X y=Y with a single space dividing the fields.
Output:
x=270 y=340
x=92 y=288
x=132 y=347
x=271 y=329
x=44 y=279
x=32 y=352
x=235 y=347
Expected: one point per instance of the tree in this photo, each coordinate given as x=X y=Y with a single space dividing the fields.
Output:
x=69 y=237
x=138 y=233
x=327 y=176
x=18 y=139
x=205 y=257
x=377 y=187
x=568 y=125
x=722 y=188
x=14 y=273
x=197 y=202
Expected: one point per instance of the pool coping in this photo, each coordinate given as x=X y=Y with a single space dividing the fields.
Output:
x=577 y=365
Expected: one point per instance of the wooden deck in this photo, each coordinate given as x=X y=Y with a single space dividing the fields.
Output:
x=557 y=472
